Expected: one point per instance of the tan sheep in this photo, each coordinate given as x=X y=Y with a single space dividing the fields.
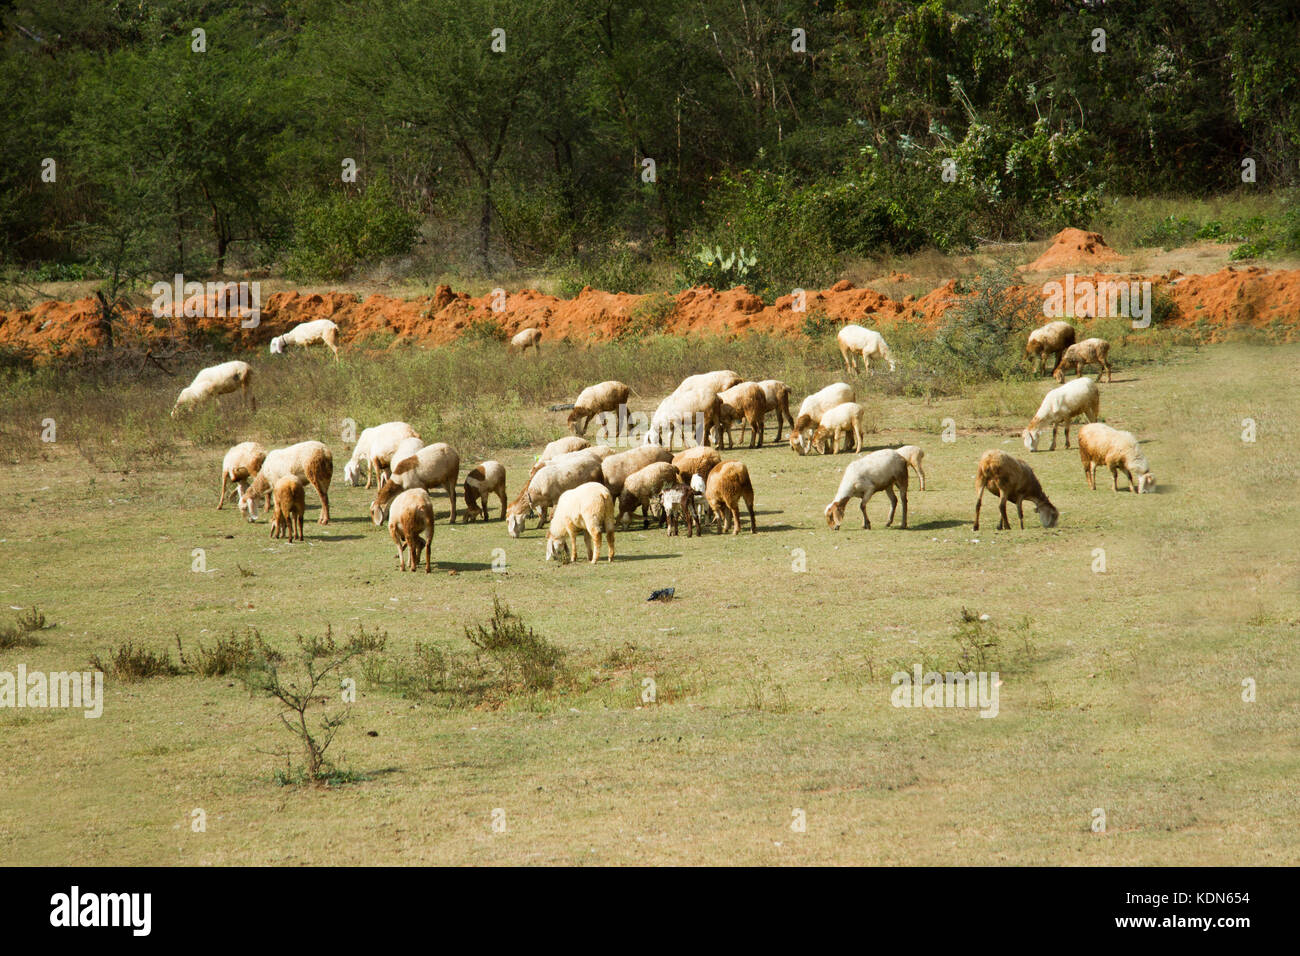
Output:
x=434 y=466
x=218 y=380
x=410 y=516
x=1012 y=480
x=840 y=420
x=691 y=414
x=617 y=468
x=589 y=509
x=1119 y=451
x=727 y=485
x=696 y=461
x=811 y=411
x=1082 y=354
x=746 y=403
x=309 y=460
x=778 y=400
x=241 y=463
x=487 y=478
x=1050 y=339
x=527 y=339
x=543 y=490
x=562 y=446
x=642 y=487
x=290 y=498
x=718 y=381
x=597 y=400
x=914 y=456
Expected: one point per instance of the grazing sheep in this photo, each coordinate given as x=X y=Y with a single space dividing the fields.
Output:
x=307 y=334
x=218 y=380
x=1102 y=445
x=746 y=403
x=527 y=339
x=589 y=508
x=718 y=381
x=643 y=486
x=290 y=505
x=542 y=491
x=1012 y=480
x=699 y=486
x=616 y=469
x=726 y=486
x=241 y=463
x=882 y=470
x=562 y=446
x=405 y=449
x=840 y=420
x=410 y=515
x=811 y=411
x=434 y=466
x=678 y=504
x=1050 y=339
x=1060 y=407
x=914 y=456
x=597 y=400
x=855 y=340
x=691 y=413
x=778 y=400
x=1081 y=354
x=696 y=461
x=309 y=460
x=598 y=452
x=375 y=447
x=488 y=478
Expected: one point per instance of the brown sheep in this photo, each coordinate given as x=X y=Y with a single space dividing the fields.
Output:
x=290 y=496
x=241 y=463
x=696 y=461
x=616 y=469
x=727 y=485
x=410 y=515
x=1012 y=480
x=487 y=478
x=778 y=400
x=746 y=403
x=1050 y=339
x=597 y=400
x=1082 y=354
x=643 y=486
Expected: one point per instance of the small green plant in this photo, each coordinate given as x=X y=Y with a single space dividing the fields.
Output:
x=483 y=329
x=131 y=663
x=719 y=269
x=22 y=632
x=231 y=654
x=649 y=317
x=524 y=659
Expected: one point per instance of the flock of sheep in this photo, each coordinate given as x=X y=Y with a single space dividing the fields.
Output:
x=588 y=489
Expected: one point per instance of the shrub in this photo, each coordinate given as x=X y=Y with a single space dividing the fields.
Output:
x=525 y=660
x=22 y=632
x=130 y=663
x=335 y=232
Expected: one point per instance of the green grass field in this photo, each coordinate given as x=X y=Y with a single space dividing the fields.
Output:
x=1122 y=691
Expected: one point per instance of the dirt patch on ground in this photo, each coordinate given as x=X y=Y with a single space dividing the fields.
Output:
x=1074 y=247
x=1212 y=306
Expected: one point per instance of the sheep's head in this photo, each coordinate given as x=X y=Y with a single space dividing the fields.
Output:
x=248 y=504
x=277 y=345
x=1145 y=483
x=557 y=549
x=1047 y=513
x=834 y=515
x=820 y=440
x=797 y=443
x=1030 y=437
x=352 y=473
x=515 y=523
x=377 y=513
x=573 y=421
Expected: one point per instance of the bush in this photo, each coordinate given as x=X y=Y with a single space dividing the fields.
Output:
x=22 y=632
x=525 y=660
x=335 y=232
x=130 y=663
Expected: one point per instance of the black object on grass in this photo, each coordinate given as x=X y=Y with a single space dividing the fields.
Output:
x=663 y=594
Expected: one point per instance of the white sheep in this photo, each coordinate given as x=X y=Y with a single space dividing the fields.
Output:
x=374 y=448
x=914 y=456
x=309 y=460
x=840 y=420
x=562 y=446
x=218 y=380
x=527 y=339
x=241 y=463
x=597 y=400
x=855 y=340
x=434 y=466
x=409 y=516
x=305 y=334
x=813 y=408
x=1119 y=451
x=718 y=381
x=883 y=470
x=405 y=449
x=588 y=509
x=1012 y=480
x=1060 y=407
x=543 y=489
x=691 y=413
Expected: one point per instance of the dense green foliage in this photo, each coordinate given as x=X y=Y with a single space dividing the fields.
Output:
x=528 y=147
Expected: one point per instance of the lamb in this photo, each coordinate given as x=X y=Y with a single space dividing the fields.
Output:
x=642 y=487
x=589 y=508
x=691 y=412
x=883 y=470
x=698 y=488
x=840 y=420
x=218 y=380
x=913 y=456
x=375 y=447
x=527 y=339
x=488 y=478
x=855 y=339
x=1081 y=354
x=678 y=504
x=746 y=403
x=813 y=408
x=1060 y=407
x=309 y=333
x=409 y=516
x=241 y=463
x=434 y=466
x=1012 y=480
x=778 y=400
x=290 y=504
x=726 y=486
x=597 y=400
x=696 y=461
x=309 y=460
x=616 y=469
x=1050 y=339
x=543 y=490
x=1102 y=445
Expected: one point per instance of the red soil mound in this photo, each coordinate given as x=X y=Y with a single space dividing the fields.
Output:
x=1074 y=247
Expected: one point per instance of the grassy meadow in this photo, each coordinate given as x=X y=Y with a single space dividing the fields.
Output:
x=1122 y=689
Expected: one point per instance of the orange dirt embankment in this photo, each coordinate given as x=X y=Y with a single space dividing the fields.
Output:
x=1209 y=305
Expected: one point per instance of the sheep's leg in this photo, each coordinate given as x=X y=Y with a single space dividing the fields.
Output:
x=1020 y=510
x=502 y=495
x=753 y=525
x=573 y=545
x=1002 y=510
x=735 y=517
x=1067 y=434
x=893 y=505
x=1114 y=477
x=857 y=437
x=372 y=469
x=902 y=493
x=592 y=556
x=221 y=502
x=866 y=522
x=451 y=494
x=1053 y=447
x=324 y=502
x=979 y=500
